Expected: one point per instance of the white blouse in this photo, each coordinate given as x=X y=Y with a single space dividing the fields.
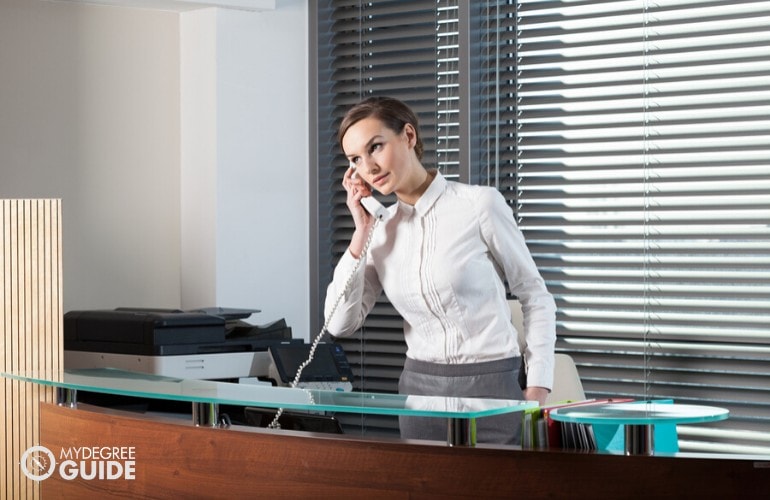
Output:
x=441 y=264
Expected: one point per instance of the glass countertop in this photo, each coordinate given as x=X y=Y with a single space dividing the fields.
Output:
x=125 y=383
x=639 y=414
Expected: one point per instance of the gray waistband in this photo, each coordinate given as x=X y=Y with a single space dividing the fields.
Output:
x=465 y=369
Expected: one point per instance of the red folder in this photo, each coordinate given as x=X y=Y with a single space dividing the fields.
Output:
x=554 y=428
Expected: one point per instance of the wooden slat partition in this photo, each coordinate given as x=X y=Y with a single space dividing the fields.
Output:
x=31 y=323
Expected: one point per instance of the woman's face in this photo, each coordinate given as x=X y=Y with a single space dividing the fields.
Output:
x=380 y=156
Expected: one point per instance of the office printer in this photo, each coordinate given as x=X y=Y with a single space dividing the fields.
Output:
x=210 y=343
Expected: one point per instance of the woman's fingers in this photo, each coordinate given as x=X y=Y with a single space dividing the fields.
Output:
x=355 y=185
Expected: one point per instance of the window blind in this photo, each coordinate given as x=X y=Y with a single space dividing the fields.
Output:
x=641 y=179
x=631 y=142
x=406 y=50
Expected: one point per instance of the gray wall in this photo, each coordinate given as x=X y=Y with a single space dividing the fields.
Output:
x=183 y=174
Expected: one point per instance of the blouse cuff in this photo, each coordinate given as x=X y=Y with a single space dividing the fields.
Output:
x=540 y=375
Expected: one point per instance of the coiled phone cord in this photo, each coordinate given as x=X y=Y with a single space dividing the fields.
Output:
x=324 y=329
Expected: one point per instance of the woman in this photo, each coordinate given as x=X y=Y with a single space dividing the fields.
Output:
x=441 y=258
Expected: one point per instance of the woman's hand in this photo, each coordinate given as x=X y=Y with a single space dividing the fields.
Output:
x=536 y=394
x=356 y=189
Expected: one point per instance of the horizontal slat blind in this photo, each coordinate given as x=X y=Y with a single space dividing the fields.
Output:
x=406 y=50
x=643 y=189
x=496 y=58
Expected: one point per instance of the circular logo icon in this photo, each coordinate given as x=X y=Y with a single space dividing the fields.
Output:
x=38 y=463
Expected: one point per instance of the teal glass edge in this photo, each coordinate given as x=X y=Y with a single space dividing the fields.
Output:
x=123 y=383
x=639 y=413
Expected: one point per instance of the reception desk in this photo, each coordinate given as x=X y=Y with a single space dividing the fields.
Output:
x=102 y=452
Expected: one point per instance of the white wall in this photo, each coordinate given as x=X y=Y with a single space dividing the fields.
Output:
x=92 y=110
x=199 y=163
x=245 y=166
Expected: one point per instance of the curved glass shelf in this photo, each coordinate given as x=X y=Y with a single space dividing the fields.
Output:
x=119 y=382
x=639 y=414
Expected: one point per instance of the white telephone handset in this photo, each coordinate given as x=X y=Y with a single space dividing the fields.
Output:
x=371 y=204
x=374 y=207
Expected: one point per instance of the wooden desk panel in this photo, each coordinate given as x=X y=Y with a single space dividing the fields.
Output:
x=177 y=460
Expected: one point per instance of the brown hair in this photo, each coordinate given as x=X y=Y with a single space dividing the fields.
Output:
x=393 y=113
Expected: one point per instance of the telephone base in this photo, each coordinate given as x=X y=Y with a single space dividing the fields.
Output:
x=326 y=386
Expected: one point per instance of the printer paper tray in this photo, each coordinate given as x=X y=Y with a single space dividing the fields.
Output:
x=192 y=366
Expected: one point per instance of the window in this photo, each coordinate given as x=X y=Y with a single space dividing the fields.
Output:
x=631 y=139
x=643 y=188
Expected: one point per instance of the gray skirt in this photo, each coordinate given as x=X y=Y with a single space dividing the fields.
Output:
x=491 y=379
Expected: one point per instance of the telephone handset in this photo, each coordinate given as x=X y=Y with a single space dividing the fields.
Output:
x=374 y=207
x=371 y=204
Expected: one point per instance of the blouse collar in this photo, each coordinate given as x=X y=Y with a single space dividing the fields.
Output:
x=435 y=189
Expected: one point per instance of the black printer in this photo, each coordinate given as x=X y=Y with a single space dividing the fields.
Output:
x=210 y=343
